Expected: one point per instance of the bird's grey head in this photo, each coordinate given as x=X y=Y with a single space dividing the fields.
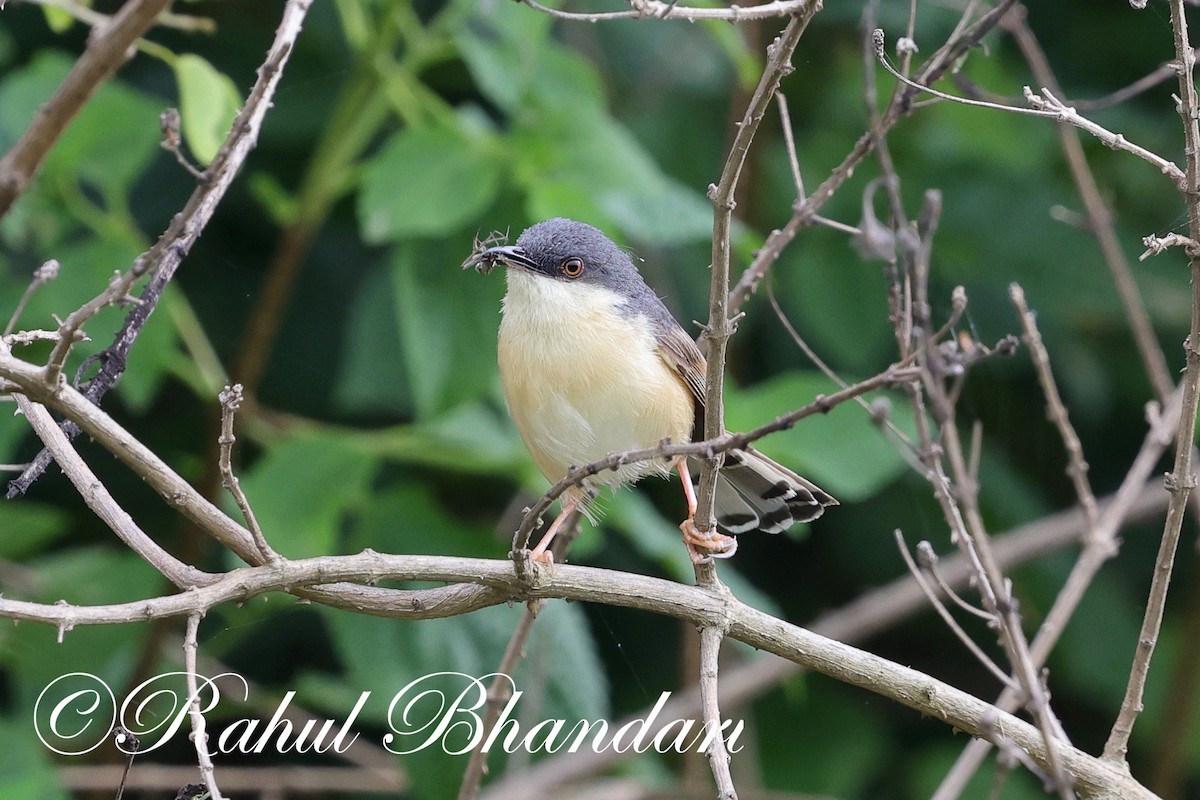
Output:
x=574 y=252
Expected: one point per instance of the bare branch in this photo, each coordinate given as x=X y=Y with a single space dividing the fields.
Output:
x=718 y=755
x=1100 y=545
x=499 y=692
x=1099 y=217
x=1182 y=479
x=1157 y=245
x=167 y=253
x=1094 y=778
x=962 y=40
x=98 y=499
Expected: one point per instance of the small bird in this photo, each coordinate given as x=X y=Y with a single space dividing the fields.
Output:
x=593 y=363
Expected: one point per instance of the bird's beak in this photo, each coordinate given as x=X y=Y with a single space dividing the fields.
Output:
x=509 y=256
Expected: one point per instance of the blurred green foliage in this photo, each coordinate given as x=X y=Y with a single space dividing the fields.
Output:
x=403 y=130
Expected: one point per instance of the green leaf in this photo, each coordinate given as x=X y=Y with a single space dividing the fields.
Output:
x=59 y=20
x=373 y=379
x=109 y=144
x=838 y=301
x=26 y=771
x=447 y=320
x=28 y=526
x=843 y=451
x=426 y=182
x=503 y=46
x=844 y=745
x=276 y=200
x=301 y=490
x=518 y=66
x=586 y=157
x=409 y=519
x=208 y=103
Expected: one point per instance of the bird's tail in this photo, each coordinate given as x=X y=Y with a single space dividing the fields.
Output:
x=755 y=493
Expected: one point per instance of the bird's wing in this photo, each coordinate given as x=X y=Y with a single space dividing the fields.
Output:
x=682 y=355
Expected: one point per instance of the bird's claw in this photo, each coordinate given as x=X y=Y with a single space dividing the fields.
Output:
x=713 y=544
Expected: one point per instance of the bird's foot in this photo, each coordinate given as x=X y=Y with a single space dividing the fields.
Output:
x=544 y=557
x=704 y=547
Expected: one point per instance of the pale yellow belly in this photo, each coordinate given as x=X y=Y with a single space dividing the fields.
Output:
x=580 y=387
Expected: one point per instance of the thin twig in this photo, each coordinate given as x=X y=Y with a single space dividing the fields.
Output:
x=1082 y=105
x=1045 y=105
x=1099 y=545
x=41 y=276
x=963 y=39
x=168 y=252
x=718 y=756
x=501 y=687
x=672 y=10
x=929 y=560
x=1077 y=466
x=866 y=616
x=904 y=443
x=720 y=325
x=498 y=694
x=947 y=617
x=956 y=492
x=98 y=498
x=231 y=400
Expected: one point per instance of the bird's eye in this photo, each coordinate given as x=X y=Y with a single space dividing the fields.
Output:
x=572 y=267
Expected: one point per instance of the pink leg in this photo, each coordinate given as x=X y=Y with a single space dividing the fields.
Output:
x=716 y=544
x=540 y=553
x=688 y=491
